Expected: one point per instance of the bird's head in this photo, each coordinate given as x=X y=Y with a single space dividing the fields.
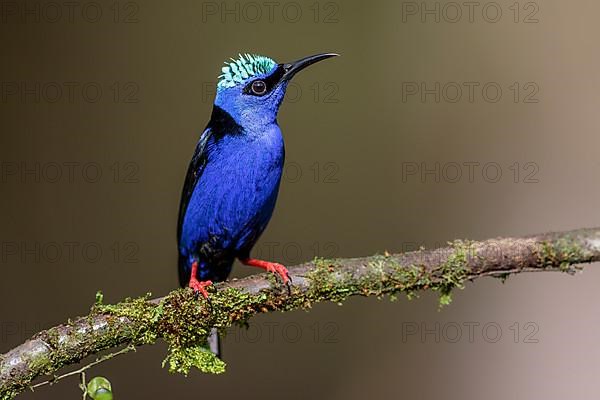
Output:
x=252 y=87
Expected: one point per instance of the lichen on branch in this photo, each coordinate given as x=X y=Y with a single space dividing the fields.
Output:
x=183 y=321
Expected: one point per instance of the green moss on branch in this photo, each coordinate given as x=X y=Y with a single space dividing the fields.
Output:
x=184 y=321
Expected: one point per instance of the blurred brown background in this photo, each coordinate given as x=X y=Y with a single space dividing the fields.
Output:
x=101 y=106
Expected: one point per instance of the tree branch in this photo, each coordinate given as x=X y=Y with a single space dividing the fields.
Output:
x=184 y=322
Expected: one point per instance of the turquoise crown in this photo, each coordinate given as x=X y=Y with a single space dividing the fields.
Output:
x=244 y=67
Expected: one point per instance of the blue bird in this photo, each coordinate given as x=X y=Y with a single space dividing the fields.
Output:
x=233 y=178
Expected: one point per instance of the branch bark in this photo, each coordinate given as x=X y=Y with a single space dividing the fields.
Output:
x=184 y=322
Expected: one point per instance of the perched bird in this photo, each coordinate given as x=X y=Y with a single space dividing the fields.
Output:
x=233 y=178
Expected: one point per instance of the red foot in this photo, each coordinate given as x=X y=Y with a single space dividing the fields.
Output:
x=195 y=284
x=199 y=286
x=269 y=266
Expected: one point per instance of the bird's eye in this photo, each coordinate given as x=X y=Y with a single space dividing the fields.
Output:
x=259 y=87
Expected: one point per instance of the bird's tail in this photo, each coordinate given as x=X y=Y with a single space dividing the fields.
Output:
x=214 y=342
x=184 y=274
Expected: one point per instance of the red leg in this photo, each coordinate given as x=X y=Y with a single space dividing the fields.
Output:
x=195 y=284
x=269 y=266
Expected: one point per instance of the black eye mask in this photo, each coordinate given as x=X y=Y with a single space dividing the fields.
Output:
x=270 y=82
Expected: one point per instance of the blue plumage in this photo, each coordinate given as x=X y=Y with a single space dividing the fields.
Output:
x=233 y=179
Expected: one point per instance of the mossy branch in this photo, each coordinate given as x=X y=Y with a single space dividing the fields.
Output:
x=184 y=322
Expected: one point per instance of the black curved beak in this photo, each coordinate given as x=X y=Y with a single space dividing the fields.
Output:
x=291 y=69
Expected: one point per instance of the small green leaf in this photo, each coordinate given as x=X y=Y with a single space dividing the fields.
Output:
x=100 y=388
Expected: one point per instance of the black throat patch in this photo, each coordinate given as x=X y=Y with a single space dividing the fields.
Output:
x=222 y=123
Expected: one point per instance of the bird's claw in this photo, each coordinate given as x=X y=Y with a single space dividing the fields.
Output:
x=282 y=272
x=289 y=282
x=278 y=269
x=199 y=288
